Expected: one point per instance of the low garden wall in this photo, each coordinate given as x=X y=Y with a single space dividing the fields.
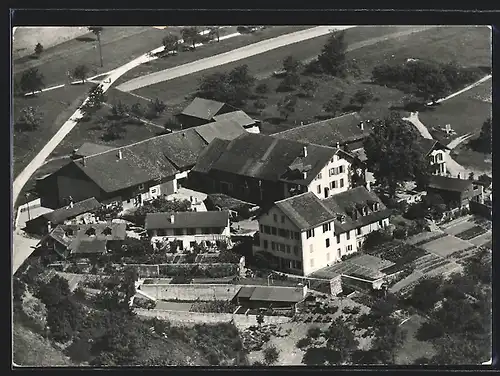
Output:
x=191 y=292
x=213 y=270
x=209 y=318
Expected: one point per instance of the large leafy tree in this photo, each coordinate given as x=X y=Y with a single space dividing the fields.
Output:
x=332 y=59
x=81 y=72
x=29 y=119
x=170 y=42
x=393 y=154
x=233 y=88
x=31 y=81
x=334 y=105
x=341 y=340
x=484 y=141
x=190 y=35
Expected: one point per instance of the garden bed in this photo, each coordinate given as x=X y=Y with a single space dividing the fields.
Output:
x=216 y=306
x=471 y=233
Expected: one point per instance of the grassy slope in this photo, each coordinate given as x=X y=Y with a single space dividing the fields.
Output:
x=31 y=349
x=57 y=106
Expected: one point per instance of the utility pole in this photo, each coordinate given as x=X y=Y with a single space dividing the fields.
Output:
x=27 y=205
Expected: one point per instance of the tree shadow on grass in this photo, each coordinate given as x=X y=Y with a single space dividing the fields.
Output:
x=352 y=108
x=85 y=39
x=274 y=120
x=324 y=117
x=413 y=106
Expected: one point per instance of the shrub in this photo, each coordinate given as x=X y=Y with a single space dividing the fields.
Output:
x=262 y=88
x=314 y=332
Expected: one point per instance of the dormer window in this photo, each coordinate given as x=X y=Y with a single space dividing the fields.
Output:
x=90 y=232
x=107 y=231
x=341 y=218
x=141 y=187
x=69 y=232
x=376 y=206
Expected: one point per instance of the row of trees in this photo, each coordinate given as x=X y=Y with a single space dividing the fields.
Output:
x=426 y=79
x=190 y=35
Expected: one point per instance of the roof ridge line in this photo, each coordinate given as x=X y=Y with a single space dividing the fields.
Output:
x=316 y=122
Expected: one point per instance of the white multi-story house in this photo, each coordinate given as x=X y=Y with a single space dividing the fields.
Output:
x=435 y=153
x=188 y=228
x=303 y=234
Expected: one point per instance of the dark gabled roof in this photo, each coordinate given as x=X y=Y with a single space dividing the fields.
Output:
x=349 y=203
x=272 y=293
x=60 y=215
x=77 y=240
x=224 y=201
x=328 y=132
x=269 y=158
x=141 y=162
x=211 y=153
x=448 y=184
x=428 y=145
x=305 y=210
x=223 y=129
x=183 y=148
x=203 y=108
x=89 y=148
x=187 y=220
x=238 y=117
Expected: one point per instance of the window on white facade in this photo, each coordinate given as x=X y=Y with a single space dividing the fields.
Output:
x=311 y=249
x=273 y=230
x=273 y=246
x=327 y=241
x=318 y=189
x=349 y=247
x=153 y=191
x=319 y=176
x=296 y=250
x=341 y=183
x=275 y=217
x=310 y=233
x=311 y=261
x=267 y=229
x=281 y=247
x=264 y=244
x=326 y=227
x=341 y=169
x=282 y=219
x=339 y=253
x=297 y=235
x=381 y=223
x=288 y=249
x=338 y=239
x=261 y=228
x=358 y=231
x=333 y=184
x=439 y=157
x=348 y=235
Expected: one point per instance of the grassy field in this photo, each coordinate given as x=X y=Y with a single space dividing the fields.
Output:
x=465 y=113
x=119 y=46
x=210 y=49
x=261 y=65
x=473 y=159
x=57 y=106
x=468 y=46
x=92 y=131
x=366 y=44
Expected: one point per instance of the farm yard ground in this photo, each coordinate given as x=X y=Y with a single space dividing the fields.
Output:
x=56 y=106
x=210 y=49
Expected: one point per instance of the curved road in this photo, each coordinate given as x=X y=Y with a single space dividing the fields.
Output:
x=228 y=57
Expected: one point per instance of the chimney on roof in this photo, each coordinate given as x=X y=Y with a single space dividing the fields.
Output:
x=120 y=154
x=362 y=126
x=304 y=174
x=338 y=145
x=301 y=123
x=304 y=151
x=172 y=218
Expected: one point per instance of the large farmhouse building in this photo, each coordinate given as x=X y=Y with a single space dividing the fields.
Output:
x=134 y=173
x=260 y=169
x=302 y=234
